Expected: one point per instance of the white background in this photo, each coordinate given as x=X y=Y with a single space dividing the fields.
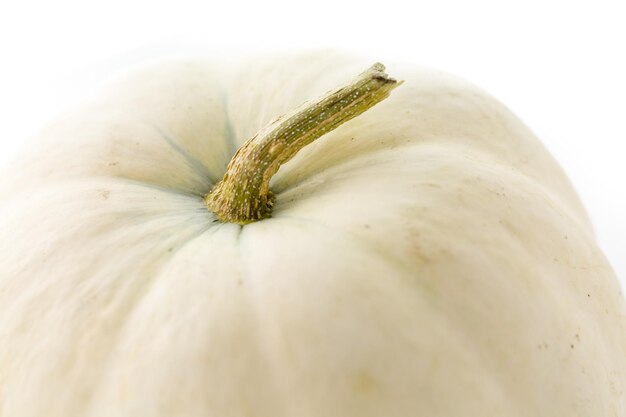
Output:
x=559 y=65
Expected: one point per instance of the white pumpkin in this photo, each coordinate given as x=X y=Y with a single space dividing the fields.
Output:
x=427 y=258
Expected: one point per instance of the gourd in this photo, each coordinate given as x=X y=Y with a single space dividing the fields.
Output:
x=427 y=257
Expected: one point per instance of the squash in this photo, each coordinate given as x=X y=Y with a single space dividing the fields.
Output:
x=427 y=258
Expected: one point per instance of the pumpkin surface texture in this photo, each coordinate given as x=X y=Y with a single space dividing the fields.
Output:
x=426 y=258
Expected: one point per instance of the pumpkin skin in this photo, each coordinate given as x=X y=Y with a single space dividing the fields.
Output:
x=428 y=258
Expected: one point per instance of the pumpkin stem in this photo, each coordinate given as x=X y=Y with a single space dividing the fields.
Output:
x=243 y=195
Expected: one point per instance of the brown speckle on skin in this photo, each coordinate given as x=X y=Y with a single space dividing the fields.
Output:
x=105 y=194
x=430 y=184
x=363 y=383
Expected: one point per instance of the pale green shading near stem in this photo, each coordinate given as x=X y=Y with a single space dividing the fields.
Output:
x=243 y=195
